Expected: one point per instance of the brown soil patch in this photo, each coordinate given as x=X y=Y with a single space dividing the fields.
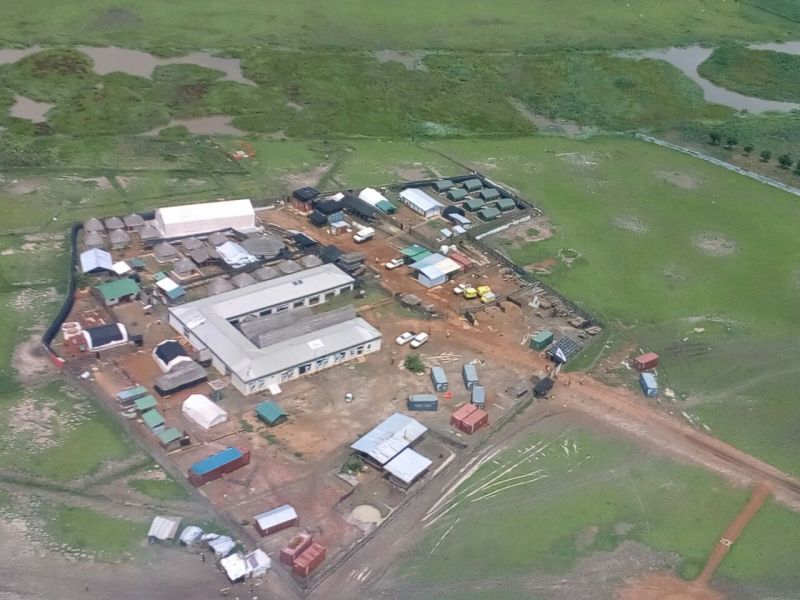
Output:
x=25 y=186
x=714 y=244
x=678 y=179
x=628 y=223
x=30 y=362
x=664 y=586
x=307 y=178
x=414 y=173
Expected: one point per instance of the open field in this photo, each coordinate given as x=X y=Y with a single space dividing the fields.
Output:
x=511 y=24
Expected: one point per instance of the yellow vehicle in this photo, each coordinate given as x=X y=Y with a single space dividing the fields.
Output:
x=483 y=290
x=470 y=292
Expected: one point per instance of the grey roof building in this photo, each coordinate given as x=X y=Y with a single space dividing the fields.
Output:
x=288 y=267
x=217 y=238
x=266 y=273
x=133 y=221
x=149 y=232
x=309 y=261
x=94 y=240
x=265 y=246
x=119 y=238
x=201 y=255
x=296 y=349
x=184 y=267
x=242 y=279
x=165 y=252
x=112 y=223
x=94 y=224
x=191 y=243
x=219 y=286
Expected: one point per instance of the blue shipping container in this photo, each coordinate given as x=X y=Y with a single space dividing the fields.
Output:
x=216 y=460
x=439 y=379
x=478 y=396
x=470 y=374
x=649 y=384
x=422 y=402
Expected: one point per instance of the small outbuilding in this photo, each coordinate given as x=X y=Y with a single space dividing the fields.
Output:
x=170 y=288
x=93 y=239
x=133 y=222
x=442 y=185
x=488 y=213
x=145 y=403
x=201 y=256
x=113 y=223
x=541 y=339
x=302 y=199
x=117 y=291
x=505 y=204
x=154 y=421
x=95 y=260
x=457 y=194
x=264 y=246
x=472 y=185
x=170 y=438
x=488 y=194
x=473 y=204
x=266 y=273
x=203 y=411
x=149 y=233
x=478 y=396
x=94 y=225
x=407 y=467
x=104 y=337
x=275 y=520
x=470 y=375
x=119 y=239
x=219 y=285
x=163 y=528
x=287 y=267
x=242 y=280
x=645 y=362
x=543 y=387
x=169 y=354
x=422 y=402
x=309 y=261
x=649 y=384
x=165 y=252
x=184 y=268
x=439 y=379
x=217 y=238
x=270 y=413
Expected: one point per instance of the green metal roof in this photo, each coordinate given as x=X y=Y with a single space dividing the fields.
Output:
x=442 y=185
x=472 y=184
x=543 y=336
x=152 y=418
x=413 y=250
x=473 y=204
x=489 y=193
x=145 y=403
x=270 y=413
x=137 y=263
x=170 y=435
x=488 y=213
x=119 y=288
x=386 y=207
x=159 y=275
x=458 y=194
x=506 y=204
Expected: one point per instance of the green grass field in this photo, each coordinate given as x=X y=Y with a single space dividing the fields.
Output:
x=761 y=73
x=507 y=25
x=101 y=536
x=160 y=489
x=566 y=484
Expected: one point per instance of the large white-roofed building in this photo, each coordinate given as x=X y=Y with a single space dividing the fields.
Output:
x=197 y=219
x=420 y=202
x=279 y=346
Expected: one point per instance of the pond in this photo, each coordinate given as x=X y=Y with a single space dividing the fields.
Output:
x=25 y=108
x=213 y=125
x=688 y=59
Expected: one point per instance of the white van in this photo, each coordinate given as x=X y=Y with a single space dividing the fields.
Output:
x=363 y=234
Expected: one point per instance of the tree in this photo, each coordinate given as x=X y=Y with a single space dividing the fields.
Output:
x=765 y=155
x=731 y=142
x=785 y=161
x=748 y=149
x=797 y=168
x=714 y=138
x=414 y=363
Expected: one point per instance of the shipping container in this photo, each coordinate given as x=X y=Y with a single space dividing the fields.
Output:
x=128 y=396
x=649 y=384
x=422 y=402
x=541 y=340
x=645 y=362
x=439 y=379
x=295 y=548
x=309 y=560
x=470 y=375
x=474 y=421
x=275 y=520
x=478 y=396
x=217 y=465
x=459 y=415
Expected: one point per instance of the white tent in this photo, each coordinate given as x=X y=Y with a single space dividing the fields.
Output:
x=195 y=219
x=371 y=196
x=203 y=411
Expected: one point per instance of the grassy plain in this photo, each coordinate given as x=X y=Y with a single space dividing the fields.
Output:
x=573 y=494
x=507 y=25
x=101 y=536
x=160 y=489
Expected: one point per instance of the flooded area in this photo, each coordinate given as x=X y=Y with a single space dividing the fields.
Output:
x=214 y=125
x=25 y=108
x=688 y=59
x=110 y=59
x=785 y=47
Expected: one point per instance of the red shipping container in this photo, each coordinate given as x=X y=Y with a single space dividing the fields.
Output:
x=295 y=548
x=474 y=421
x=201 y=479
x=309 y=560
x=460 y=259
x=462 y=413
x=645 y=362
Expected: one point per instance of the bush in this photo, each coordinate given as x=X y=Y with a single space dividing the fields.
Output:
x=414 y=363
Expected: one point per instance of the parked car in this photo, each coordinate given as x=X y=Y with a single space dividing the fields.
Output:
x=459 y=289
x=419 y=339
x=488 y=297
x=394 y=263
x=470 y=292
x=404 y=338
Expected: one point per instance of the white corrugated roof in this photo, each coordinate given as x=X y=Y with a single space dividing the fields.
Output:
x=164 y=528
x=420 y=199
x=390 y=437
x=408 y=465
x=371 y=196
x=95 y=259
x=203 y=411
x=200 y=212
x=276 y=516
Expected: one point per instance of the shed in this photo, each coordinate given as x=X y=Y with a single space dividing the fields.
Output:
x=309 y=261
x=221 y=545
x=420 y=202
x=171 y=289
x=439 y=379
x=95 y=260
x=169 y=438
x=363 y=210
x=119 y=239
x=457 y=195
x=473 y=204
x=422 y=402
x=165 y=252
x=317 y=219
x=264 y=246
x=303 y=241
x=472 y=185
x=202 y=255
x=287 y=267
x=505 y=204
x=127 y=396
x=219 y=464
x=649 y=384
x=120 y=267
x=113 y=223
x=137 y=264
x=470 y=375
x=488 y=194
x=543 y=387
x=270 y=413
x=183 y=376
x=191 y=243
x=412 y=252
x=645 y=362
x=217 y=238
x=407 y=467
x=148 y=233
x=190 y=535
x=266 y=273
x=243 y=279
x=303 y=197
x=94 y=224
x=104 y=337
x=488 y=213
x=153 y=421
x=390 y=437
x=459 y=258
x=219 y=285
x=168 y=354
x=94 y=240
x=478 y=397
x=203 y=411
x=117 y=291
x=133 y=222
x=442 y=185
x=164 y=528
x=541 y=339
x=145 y=403
x=275 y=520
x=184 y=267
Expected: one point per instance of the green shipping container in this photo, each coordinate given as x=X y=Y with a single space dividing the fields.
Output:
x=541 y=340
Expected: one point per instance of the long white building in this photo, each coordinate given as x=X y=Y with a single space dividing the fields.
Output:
x=278 y=346
x=197 y=219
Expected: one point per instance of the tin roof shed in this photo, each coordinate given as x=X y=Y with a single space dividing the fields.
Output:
x=120 y=288
x=473 y=204
x=505 y=204
x=95 y=260
x=442 y=185
x=472 y=185
x=164 y=528
x=270 y=413
x=390 y=437
x=408 y=466
x=489 y=213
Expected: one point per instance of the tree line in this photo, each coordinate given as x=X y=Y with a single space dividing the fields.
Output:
x=785 y=161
